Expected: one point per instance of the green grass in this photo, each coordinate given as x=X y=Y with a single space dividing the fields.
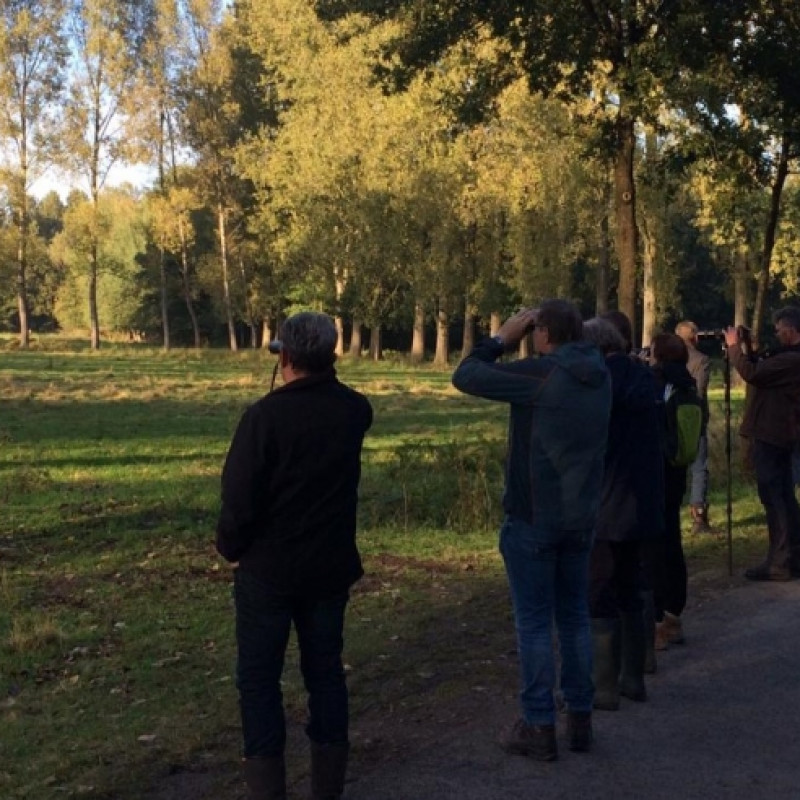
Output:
x=116 y=636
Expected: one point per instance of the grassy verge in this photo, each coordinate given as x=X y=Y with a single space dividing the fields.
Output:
x=116 y=645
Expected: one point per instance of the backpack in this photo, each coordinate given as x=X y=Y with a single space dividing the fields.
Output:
x=684 y=424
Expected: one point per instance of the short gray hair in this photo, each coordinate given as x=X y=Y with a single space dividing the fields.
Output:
x=687 y=330
x=309 y=339
x=604 y=335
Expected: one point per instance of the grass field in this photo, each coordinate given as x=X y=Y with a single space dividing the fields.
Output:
x=116 y=638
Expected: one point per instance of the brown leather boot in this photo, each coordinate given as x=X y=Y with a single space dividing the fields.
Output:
x=265 y=777
x=672 y=628
x=328 y=770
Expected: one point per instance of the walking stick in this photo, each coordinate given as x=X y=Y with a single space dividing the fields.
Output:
x=729 y=499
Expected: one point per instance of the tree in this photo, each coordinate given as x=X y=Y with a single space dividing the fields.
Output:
x=626 y=54
x=106 y=38
x=33 y=57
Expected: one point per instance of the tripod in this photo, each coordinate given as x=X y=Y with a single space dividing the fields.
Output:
x=728 y=457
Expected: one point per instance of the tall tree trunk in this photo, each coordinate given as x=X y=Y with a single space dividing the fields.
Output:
x=266 y=332
x=162 y=266
x=769 y=239
x=162 y=260
x=375 y=345
x=355 y=339
x=338 y=322
x=648 y=285
x=418 y=335
x=187 y=289
x=494 y=323
x=468 y=338
x=226 y=286
x=625 y=204
x=442 y=355
x=94 y=320
x=340 y=285
x=741 y=286
x=22 y=245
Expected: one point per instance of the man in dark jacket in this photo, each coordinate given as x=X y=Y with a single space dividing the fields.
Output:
x=289 y=495
x=772 y=422
x=560 y=406
x=631 y=513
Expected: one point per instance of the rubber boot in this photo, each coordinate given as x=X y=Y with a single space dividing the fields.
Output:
x=265 y=777
x=328 y=769
x=649 y=615
x=631 y=681
x=606 y=658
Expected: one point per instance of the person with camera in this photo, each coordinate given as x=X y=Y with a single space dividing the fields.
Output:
x=559 y=411
x=772 y=424
x=289 y=495
x=699 y=367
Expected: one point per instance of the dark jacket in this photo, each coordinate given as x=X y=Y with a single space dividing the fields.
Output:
x=290 y=485
x=560 y=404
x=772 y=410
x=632 y=506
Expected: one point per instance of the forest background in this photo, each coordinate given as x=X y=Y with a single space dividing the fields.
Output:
x=416 y=169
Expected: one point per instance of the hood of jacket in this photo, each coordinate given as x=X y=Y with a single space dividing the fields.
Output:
x=583 y=362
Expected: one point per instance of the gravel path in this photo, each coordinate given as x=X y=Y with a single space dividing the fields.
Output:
x=722 y=722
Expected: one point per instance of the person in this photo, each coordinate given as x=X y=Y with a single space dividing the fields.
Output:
x=631 y=513
x=772 y=424
x=699 y=367
x=288 y=518
x=666 y=562
x=559 y=410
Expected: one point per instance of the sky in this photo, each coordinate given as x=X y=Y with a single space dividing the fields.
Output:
x=139 y=175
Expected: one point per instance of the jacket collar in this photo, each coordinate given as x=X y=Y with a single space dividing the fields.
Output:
x=328 y=376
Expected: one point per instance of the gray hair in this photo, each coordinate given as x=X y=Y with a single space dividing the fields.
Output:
x=309 y=339
x=604 y=335
x=687 y=330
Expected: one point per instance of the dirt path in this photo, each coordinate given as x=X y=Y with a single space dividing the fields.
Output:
x=722 y=722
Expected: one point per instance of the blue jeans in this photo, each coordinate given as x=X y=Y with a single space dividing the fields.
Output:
x=548 y=574
x=698 y=491
x=263 y=622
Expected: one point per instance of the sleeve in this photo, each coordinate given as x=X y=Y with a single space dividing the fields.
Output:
x=517 y=382
x=703 y=376
x=245 y=471
x=771 y=372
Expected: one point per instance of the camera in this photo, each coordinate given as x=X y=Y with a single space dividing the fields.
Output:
x=717 y=333
x=275 y=347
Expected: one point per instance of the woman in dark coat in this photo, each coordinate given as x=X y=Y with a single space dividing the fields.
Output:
x=631 y=512
x=667 y=565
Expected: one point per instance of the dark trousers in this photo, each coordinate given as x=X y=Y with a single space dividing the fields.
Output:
x=773 y=467
x=614 y=579
x=263 y=623
x=664 y=562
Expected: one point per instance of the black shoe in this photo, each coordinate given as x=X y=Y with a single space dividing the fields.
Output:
x=768 y=573
x=534 y=741
x=579 y=731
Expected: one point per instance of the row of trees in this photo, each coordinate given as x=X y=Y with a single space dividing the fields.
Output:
x=404 y=166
